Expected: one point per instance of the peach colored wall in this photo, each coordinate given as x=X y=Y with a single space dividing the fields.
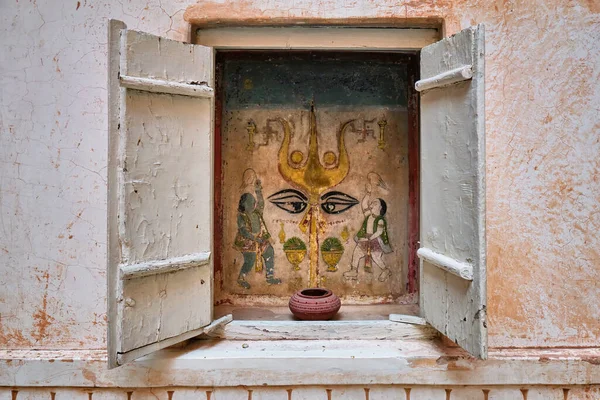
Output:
x=543 y=103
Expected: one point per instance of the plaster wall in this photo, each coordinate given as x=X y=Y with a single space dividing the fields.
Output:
x=543 y=169
x=310 y=393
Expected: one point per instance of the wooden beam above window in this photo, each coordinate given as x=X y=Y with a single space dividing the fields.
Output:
x=317 y=38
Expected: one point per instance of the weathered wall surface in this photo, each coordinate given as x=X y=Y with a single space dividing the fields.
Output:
x=543 y=102
x=312 y=393
x=53 y=159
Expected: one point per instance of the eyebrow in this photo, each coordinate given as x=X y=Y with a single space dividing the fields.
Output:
x=290 y=194
x=345 y=197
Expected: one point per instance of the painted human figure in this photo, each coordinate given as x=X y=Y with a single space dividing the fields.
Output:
x=252 y=238
x=372 y=240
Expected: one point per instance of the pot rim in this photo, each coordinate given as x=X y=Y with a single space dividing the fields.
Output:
x=326 y=293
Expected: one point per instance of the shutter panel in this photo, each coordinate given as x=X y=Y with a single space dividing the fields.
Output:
x=453 y=249
x=160 y=192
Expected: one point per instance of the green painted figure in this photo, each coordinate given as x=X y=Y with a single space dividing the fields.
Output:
x=372 y=240
x=252 y=238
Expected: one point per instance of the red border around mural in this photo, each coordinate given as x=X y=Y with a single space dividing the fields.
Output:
x=217 y=183
x=412 y=281
x=412 y=284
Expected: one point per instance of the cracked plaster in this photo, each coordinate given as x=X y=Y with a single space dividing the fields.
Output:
x=543 y=168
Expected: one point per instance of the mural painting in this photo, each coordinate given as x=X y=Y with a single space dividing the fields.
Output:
x=303 y=138
x=372 y=240
x=253 y=237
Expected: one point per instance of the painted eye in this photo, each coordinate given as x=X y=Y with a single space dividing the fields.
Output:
x=337 y=202
x=290 y=200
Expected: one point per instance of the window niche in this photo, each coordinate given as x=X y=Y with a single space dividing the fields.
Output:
x=167 y=266
x=316 y=164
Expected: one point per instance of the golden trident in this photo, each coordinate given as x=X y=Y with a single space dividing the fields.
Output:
x=313 y=178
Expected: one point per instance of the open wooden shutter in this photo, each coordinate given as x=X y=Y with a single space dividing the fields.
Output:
x=453 y=250
x=160 y=192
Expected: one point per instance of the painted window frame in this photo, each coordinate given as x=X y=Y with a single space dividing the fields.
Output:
x=445 y=61
x=466 y=48
x=411 y=61
x=335 y=38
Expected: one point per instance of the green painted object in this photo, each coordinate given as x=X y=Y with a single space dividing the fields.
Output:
x=294 y=243
x=332 y=244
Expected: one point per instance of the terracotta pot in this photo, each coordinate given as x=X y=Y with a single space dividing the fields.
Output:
x=314 y=304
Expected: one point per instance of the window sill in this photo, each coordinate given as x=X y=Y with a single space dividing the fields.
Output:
x=357 y=330
x=219 y=363
x=369 y=312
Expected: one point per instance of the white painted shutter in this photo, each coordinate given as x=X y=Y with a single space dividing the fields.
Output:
x=160 y=192
x=453 y=250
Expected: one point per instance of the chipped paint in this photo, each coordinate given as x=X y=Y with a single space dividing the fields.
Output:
x=41 y=318
x=543 y=169
x=542 y=165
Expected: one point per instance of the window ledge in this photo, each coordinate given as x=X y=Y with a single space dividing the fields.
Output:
x=216 y=363
x=323 y=330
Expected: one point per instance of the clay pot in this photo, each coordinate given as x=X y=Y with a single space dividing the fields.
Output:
x=314 y=304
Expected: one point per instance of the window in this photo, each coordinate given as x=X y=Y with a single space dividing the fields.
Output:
x=342 y=119
x=161 y=105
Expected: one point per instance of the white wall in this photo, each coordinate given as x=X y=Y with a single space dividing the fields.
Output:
x=53 y=158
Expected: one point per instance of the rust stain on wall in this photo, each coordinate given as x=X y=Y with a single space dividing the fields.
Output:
x=320 y=13
x=41 y=318
x=419 y=363
x=592 y=5
x=89 y=375
x=13 y=338
x=592 y=360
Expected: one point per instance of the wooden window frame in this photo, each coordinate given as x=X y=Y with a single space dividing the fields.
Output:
x=436 y=71
x=330 y=39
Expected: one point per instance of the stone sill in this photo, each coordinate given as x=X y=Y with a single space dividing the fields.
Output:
x=226 y=363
